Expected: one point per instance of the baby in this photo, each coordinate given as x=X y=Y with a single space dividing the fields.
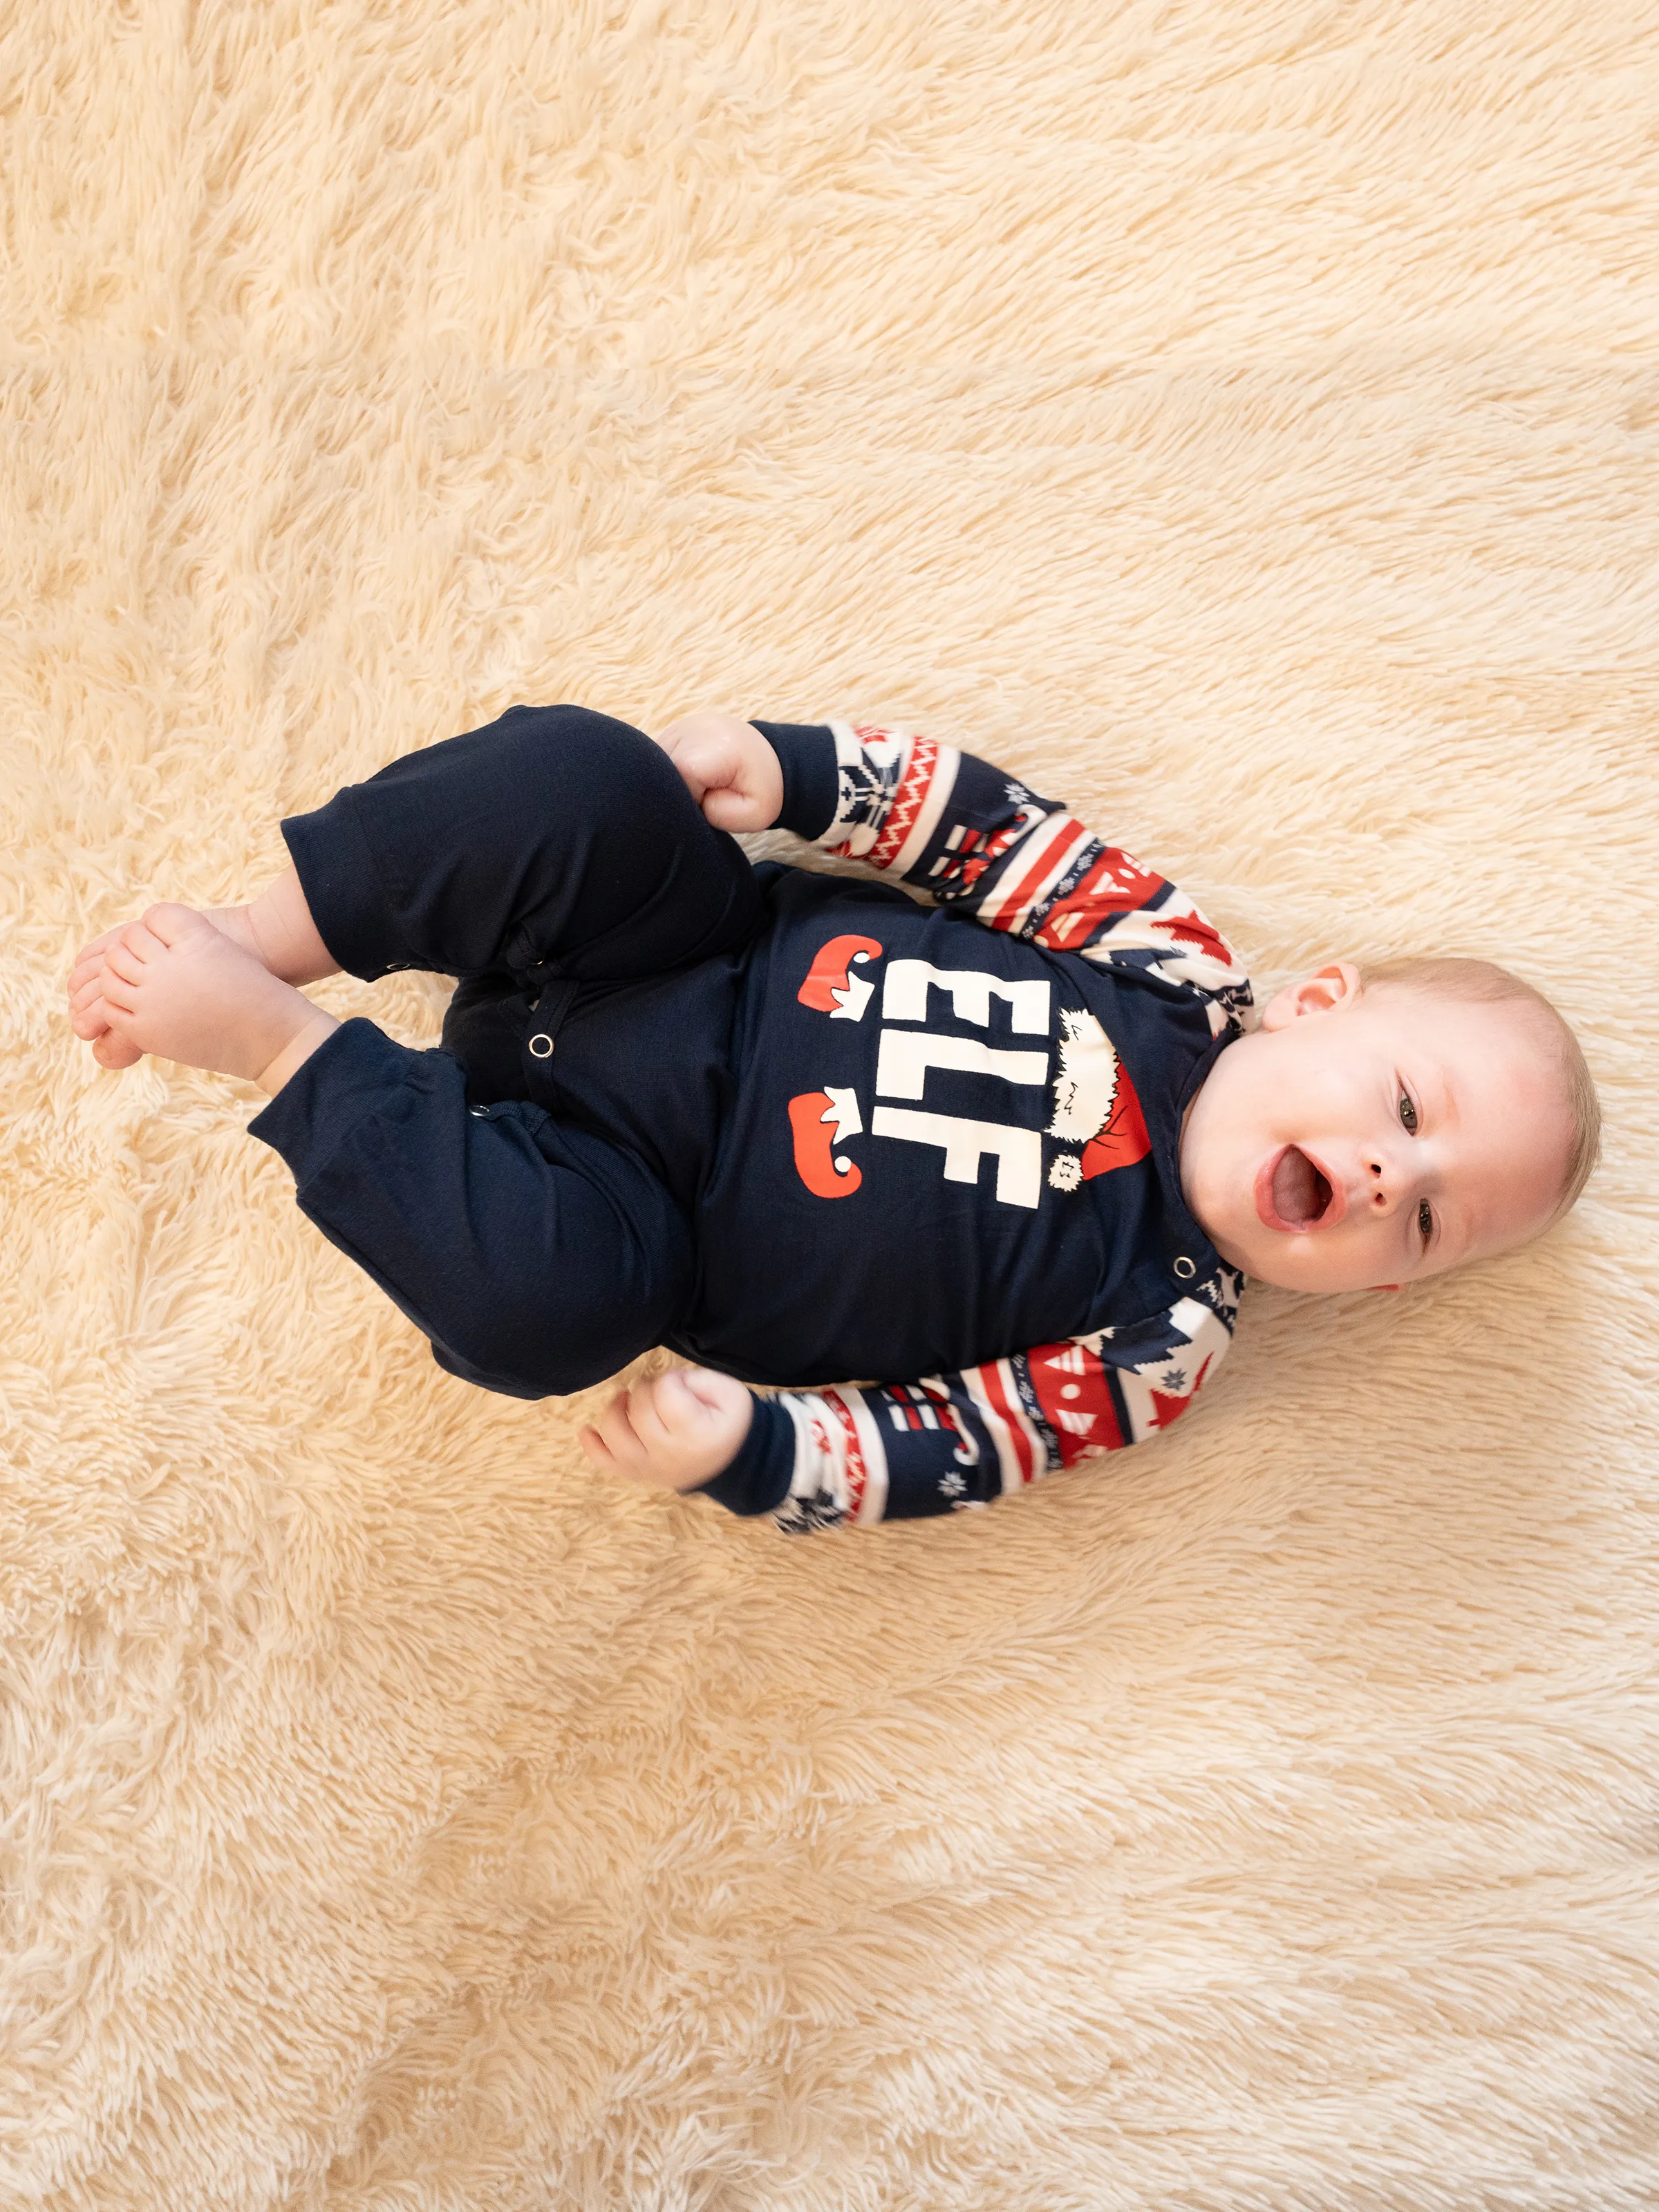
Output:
x=1019 y=1145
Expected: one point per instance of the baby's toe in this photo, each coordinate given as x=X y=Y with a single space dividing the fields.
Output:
x=126 y=962
x=137 y=941
x=89 y=960
x=84 y=979
x=112 y=1051
x=88 y=1015
x=170 y=923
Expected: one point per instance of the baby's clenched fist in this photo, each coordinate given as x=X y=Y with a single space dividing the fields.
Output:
x=729 y=767
x=677 y=1430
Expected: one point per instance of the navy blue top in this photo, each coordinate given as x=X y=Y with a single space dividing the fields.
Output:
x=948 y=1146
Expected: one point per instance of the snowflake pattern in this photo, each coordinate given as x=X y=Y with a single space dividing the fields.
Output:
x=865 y=790
x=801 y=1516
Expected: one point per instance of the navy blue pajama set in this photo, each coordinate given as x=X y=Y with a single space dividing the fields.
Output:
x=795 y=1126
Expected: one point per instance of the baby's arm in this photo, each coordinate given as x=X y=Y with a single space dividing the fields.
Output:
x=959 y=828
x=907 y=1450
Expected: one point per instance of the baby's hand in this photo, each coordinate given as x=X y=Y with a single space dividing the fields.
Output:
x=677 y=1430
x=729 y=769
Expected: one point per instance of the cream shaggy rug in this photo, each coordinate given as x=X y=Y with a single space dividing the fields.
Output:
x=1242 y=418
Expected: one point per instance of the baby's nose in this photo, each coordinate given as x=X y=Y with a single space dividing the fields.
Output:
x=1378 y=1180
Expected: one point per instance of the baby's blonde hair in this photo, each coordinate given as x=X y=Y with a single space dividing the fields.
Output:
x=1485 y=983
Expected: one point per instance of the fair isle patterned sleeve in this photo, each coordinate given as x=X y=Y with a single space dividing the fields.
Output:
x=979 y=840
x=849 y=1457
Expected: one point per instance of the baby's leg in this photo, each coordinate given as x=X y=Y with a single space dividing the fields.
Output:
x=537 y=1259
x=555 y=841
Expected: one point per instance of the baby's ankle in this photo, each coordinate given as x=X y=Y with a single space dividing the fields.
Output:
x=293 y=1054
x=285 y=938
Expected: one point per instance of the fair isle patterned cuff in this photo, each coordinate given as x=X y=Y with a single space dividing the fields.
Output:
x=891 y=789
x=807 y=755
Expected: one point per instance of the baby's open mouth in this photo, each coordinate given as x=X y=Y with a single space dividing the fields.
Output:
x=1292 y=1193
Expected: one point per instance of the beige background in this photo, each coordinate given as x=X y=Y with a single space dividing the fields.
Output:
x=1242 y=418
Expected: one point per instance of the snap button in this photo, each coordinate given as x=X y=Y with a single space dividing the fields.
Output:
x=478 y=1113
x=541 y=1045
x=1184 y=1267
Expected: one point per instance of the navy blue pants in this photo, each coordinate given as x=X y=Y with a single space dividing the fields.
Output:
x=554 y=853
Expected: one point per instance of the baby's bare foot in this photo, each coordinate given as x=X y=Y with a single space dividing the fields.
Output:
x=176 y=986
x=275 y=929
x=88 y=1016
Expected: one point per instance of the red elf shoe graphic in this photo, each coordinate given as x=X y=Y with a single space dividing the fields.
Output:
x=821 y=1120
x=831 y=988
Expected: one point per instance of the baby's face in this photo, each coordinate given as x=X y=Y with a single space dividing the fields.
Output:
x=1358 y=1140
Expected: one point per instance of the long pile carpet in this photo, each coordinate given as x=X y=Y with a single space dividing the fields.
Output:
x=1241 y=417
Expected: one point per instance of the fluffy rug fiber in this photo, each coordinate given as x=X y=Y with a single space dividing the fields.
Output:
x=1242 y=417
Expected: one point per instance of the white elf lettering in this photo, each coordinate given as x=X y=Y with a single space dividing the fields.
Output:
x=907 y=1054
x=904 y=997
x=1018 y=1152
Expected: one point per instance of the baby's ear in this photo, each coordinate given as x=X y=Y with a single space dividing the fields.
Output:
x=1326 y=991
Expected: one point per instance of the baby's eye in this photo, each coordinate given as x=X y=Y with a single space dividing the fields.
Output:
x=1408 y=1113
x=1424 y=1219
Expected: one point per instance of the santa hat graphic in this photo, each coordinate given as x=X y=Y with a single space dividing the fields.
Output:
x=1095 y=1101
